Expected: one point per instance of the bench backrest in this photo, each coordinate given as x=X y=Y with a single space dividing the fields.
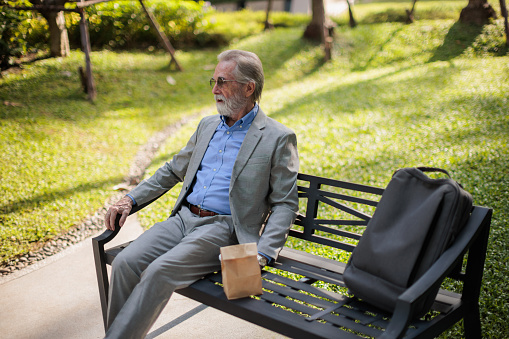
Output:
x=325 y=199
x=335 y=211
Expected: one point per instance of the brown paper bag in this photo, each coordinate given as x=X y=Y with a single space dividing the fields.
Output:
x=241 y=271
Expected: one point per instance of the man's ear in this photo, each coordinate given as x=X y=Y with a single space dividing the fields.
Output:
x=250 y=88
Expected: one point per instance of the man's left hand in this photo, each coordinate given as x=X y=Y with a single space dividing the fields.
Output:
x=123 y=207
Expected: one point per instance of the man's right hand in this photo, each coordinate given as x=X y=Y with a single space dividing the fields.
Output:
x=123 y=206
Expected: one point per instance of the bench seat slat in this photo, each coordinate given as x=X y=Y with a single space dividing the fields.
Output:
x=347 y=322
x=336 y=320
x=274 y=279
x=312 y=260
x=303 y=286
x=288 y=303
x=311 y=272
x=260 y=312
x=353 y=318
x=295 y=294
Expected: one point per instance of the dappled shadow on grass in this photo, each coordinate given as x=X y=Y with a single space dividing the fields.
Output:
x=53 y=90
x=458 y=39
x=46 y=198
x=280 y=47
x=359 y=68
x=346 y=96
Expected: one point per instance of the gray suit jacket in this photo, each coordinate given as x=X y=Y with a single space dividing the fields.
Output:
x=263 y=187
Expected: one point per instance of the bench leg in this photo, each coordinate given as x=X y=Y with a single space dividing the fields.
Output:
x=102 y=278
x=473 y=281
x=472 y=324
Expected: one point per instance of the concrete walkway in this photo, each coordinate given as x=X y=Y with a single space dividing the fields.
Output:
x=58 y=298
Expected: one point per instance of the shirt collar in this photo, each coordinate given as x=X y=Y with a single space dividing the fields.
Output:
x=246 y=120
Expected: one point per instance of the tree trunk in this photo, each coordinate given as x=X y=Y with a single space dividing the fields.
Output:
x=87 y=78
x=241 y=5
x=268 y=24
x=503 y=10
x=352 y=21
x=161 y=36
x=315 y=29
x=319 y=30
x=410 y=13
x=59 y=41
x=477 y=12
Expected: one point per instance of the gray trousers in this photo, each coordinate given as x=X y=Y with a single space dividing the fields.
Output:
x=170 y=255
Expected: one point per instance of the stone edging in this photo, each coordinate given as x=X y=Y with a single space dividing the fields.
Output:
x=93 y=224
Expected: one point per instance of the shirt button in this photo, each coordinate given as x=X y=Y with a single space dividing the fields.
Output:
x=220 y=151
x=227 y=132
x=214 y=170
x=204 y=186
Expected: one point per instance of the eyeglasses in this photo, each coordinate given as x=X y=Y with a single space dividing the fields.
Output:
x=220 y=82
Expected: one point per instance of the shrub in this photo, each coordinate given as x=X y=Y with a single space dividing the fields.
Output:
x=12 y=35
x=122 y=25
x=21 y=32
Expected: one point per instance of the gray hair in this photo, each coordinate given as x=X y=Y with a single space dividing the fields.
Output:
x=249 y=69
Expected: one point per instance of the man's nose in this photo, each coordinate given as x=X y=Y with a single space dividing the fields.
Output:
x=215 y=89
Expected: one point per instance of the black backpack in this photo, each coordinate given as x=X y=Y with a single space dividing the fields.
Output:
x=416 y=220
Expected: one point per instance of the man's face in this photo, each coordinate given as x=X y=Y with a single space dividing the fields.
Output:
x=230 y=97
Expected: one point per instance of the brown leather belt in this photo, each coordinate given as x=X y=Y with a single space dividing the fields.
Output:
x=200 y=212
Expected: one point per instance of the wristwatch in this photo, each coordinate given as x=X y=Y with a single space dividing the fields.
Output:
x=262 y=261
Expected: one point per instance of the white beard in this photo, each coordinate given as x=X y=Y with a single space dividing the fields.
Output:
x=230 y=107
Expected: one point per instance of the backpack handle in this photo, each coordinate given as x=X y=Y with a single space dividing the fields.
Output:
x=433 y=169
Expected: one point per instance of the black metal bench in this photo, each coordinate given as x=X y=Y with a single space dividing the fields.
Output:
x=308 y=289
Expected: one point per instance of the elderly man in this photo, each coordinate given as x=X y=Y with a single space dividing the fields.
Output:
x=239 y=172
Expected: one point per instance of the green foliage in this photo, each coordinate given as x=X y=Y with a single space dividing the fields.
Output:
x=21 y=32
x=125 y=25
x=12 y=35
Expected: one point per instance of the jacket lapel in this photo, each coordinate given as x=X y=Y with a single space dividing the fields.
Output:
x=201 y=148
x=250 y=142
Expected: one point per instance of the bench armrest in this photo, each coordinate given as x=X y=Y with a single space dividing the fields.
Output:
x=108 y=235
x=478 y=222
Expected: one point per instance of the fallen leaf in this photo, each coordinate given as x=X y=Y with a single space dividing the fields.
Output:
x=121 y=187
x=170 y=80
x=11 y=103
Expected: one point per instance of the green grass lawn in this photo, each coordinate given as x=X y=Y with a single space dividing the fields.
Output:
x=433 y=93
